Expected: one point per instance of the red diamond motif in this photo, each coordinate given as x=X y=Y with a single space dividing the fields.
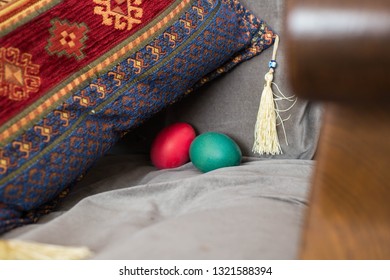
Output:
x=67 y=39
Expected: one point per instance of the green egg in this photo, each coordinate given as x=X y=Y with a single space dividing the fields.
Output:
x=213 y=150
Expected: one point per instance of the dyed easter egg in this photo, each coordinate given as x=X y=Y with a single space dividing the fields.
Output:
x=171 y=146
x=212 y=150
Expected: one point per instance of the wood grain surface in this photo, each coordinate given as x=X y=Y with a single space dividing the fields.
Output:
x=339 y=54
x=334 y=44
x=349 y=214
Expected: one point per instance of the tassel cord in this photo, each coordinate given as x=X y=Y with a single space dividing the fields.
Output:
x=269 y=114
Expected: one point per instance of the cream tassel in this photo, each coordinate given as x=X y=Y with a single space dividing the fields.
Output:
x=266 y=136
x=22 y=250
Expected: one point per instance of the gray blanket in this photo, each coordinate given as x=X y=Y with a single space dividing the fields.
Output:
x=125 y=209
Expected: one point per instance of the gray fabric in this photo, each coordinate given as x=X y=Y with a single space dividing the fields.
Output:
x=230 y=103
x=125 y=209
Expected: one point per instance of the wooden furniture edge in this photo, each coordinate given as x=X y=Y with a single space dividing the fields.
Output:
x=349 y=208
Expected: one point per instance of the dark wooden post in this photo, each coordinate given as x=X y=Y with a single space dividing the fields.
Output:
x=339 y=53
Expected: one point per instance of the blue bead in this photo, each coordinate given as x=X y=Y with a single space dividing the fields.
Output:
x=272 y=64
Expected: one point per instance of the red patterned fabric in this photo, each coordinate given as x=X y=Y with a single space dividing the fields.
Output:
x=39 y=44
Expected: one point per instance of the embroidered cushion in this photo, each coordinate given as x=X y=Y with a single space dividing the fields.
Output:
x=75 y=76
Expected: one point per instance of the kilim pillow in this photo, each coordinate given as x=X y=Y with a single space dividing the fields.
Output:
x=76 y=75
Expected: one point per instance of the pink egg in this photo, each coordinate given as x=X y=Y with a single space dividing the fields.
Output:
x=171 y=146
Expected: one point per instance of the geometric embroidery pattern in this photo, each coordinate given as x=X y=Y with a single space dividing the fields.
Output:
x=64 y=114
x=5 y=162
x=173 y=37
x=45 y=130
x=188 y=25
x=19 y=77
x=117 y=75
x=123 y=14
x=84 y=100
x=67 y=39
x=25 y=147
x=138 y=63
x=156 y=51
x=100 y=88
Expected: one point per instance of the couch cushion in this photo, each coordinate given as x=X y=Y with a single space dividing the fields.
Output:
x=230 y=104
x=76 y=76
x=125 y=209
